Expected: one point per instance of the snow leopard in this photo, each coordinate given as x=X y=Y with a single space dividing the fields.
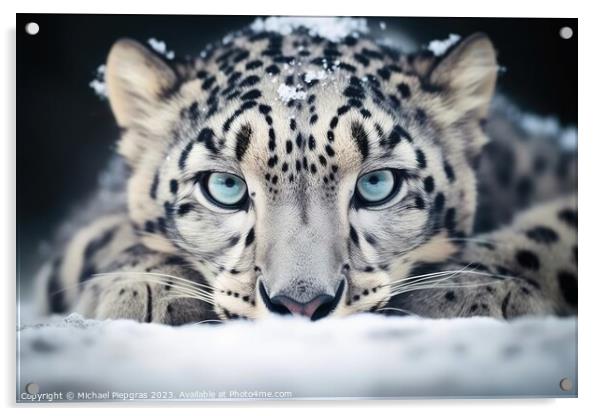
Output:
x=293 y=174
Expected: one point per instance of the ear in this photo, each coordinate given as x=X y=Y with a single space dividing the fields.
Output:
x=136 y=79
x=467 y=75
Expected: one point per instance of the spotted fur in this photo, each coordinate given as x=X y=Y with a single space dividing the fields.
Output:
x=175 y=258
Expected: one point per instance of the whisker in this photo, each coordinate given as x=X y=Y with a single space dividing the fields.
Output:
x=181 y=279
x=207 y=321
x=424 y=286
x=429 y=280
x=500 y=277
x=142 y=277
x=428 y=275
x=409 y=278
x=426 y=280
x=388 y=308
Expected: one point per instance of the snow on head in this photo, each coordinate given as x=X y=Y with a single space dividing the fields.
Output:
x=99 y=85
x=331 y=28
x=287 y=93
x=439 y=47
x=313 y=75
x=160 y=47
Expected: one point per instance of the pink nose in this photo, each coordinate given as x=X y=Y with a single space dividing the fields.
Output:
x=304 y=309
x=317 y=308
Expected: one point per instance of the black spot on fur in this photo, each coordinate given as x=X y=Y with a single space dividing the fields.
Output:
x=343 y=110
x=439 y=202
x=184 y=155
x=449 y=172
x=299 y=141
x=206 y=135
x=272 y=161
x=311 y=142
x=264 y=109
x=568 y=287
x=420 y=159
x=173 y=186
x=272 y=141
x=419 y=202
x=251 y=95
x=334 y=122
x=272 y=70
x=253 y=65
x=149 y=226
x=184 y=209
x=154 y=186
x=542 y=234
x=329 y=150
x=505 y=303
x=354 y=236
x=404 y=90
x=569 y=216
x=208 y=83
x=420 y=116
x=527 y=259
x=149 y=304
x=429 y=184
x=289 y=146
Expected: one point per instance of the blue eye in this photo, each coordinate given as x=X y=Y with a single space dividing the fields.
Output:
x=224 y=189
x=377 y=187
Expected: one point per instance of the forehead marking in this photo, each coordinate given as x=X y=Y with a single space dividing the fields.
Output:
x=359 y=135
x=243 y=138
x=184 y=155
x=206 y=136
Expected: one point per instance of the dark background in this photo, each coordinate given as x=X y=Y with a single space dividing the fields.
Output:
x=65 y=133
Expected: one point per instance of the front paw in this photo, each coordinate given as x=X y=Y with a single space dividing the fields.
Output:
x=141 y=301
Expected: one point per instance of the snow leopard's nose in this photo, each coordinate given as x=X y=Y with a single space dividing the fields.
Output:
x=318 y=307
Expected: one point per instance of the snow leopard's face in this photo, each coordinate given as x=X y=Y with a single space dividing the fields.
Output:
x=300 y=175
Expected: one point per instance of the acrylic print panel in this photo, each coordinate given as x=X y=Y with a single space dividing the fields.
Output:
x=232 y=208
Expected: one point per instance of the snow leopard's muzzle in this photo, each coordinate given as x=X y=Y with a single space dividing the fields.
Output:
x=302 y=268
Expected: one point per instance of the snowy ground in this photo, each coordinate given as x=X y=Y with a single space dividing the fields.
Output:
x=361 y=356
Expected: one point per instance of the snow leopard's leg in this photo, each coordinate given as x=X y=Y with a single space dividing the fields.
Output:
x=148 y=287
x=104 y=272
x=527 y=268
